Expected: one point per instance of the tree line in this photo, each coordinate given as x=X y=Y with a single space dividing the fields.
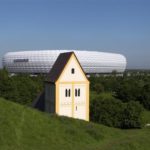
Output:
x=119 y=101
x=116 y=101
x=21 y=88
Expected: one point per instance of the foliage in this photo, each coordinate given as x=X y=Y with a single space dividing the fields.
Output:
x=132 y=86
x=98 y=87
x=110 y=95
x=145 y=96
x=106 y=111
x=146 y=117
x=112 y=112
x=132 y=115
x=20 y=88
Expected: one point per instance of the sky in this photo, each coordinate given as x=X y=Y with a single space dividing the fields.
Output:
x=118 y=26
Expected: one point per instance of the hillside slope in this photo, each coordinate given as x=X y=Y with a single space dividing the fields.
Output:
x=23 y=128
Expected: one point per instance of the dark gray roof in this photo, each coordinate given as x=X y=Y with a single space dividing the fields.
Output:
x=58 y=67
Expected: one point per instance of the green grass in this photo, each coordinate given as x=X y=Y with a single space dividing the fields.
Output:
x=23 y=128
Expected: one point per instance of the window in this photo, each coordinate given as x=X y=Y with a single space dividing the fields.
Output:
x=77 y=92
x=76 y=108
x=72 y=71
x=67 y=93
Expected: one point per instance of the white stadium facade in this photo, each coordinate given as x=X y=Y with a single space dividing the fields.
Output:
x=41 y=61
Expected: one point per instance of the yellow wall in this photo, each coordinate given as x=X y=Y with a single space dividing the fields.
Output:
x=66 y=78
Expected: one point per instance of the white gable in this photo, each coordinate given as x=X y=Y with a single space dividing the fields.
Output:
x=68 y=76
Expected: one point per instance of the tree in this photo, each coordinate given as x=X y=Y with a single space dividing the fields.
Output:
x=106 y=111
x=132 y=115
x=98 y=87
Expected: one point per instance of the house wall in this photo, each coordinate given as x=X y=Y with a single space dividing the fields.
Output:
x=67 y=76
x=50 y=97
x=73 y=106
x=39 y=102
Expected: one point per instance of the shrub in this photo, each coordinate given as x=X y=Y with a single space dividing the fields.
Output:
x=132 y=87
x=98 y=87
x=20 y=88
x=112 y=112
x=131 y=117
x=106 y=111
x=145 y=96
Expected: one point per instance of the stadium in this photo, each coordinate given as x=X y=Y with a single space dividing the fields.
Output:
x=41 y=61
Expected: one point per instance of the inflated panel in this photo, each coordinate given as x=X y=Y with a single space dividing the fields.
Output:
x=43 y=60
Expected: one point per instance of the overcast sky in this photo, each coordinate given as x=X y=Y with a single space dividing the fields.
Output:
x=119 y=26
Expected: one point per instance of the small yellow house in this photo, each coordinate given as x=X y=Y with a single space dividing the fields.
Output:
x=67 y=88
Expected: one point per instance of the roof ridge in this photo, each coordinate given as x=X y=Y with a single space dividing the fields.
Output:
x=58 y=66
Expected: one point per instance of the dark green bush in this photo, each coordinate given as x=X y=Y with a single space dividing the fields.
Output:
x=114 y=113
x=131 y=117
x=98 y=87
x=20 y=88
x=135 y=87
x=106 y=111
x=145 y=96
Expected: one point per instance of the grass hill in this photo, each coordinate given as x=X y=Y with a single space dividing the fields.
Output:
x=23 y=128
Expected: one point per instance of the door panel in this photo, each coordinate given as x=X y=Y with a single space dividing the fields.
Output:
x=80 y=101
x=65 y=103
x=74 y=105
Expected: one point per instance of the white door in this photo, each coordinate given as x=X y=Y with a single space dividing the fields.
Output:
x=65 y=100
x=80 y=101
